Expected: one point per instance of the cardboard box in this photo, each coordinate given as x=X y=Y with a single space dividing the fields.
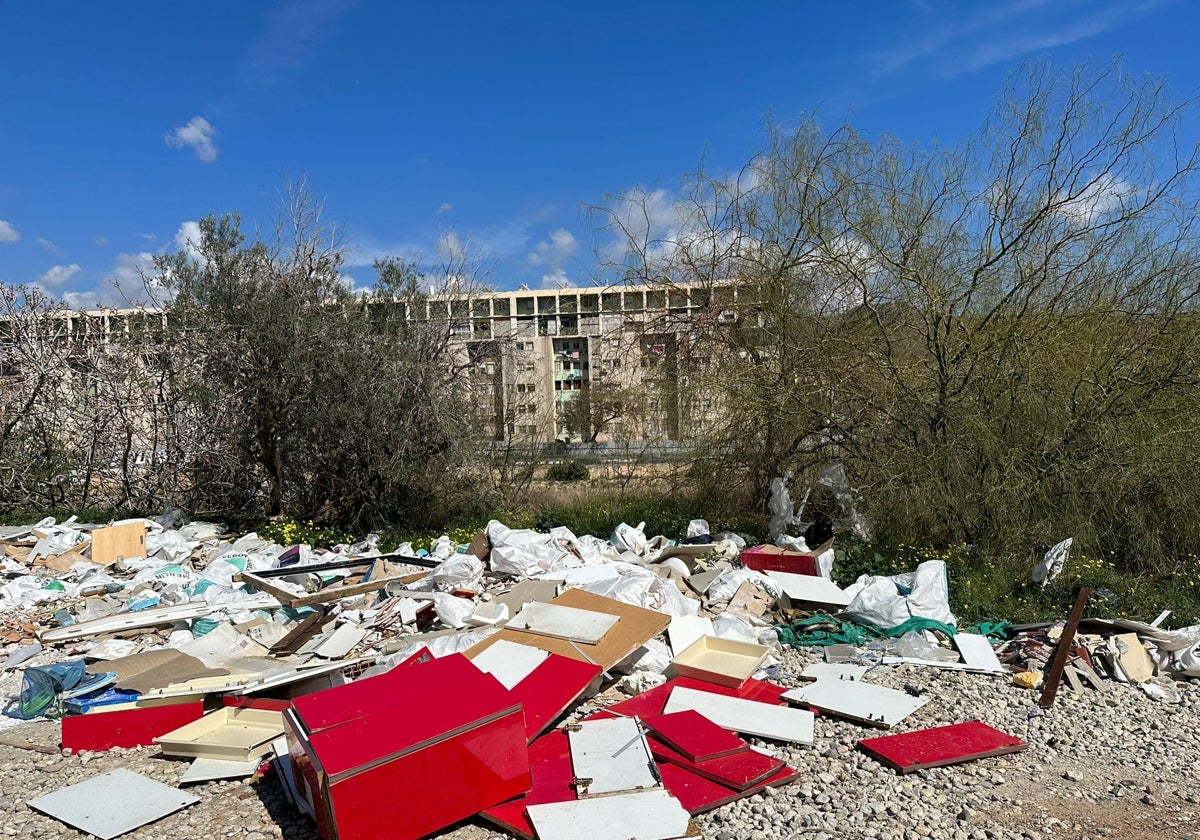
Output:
x=772 y=558
x=409 y=752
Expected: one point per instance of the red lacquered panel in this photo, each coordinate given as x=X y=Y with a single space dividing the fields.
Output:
x=739 y=771
x=553 y=778
x=940 y=746
x=550 y=690
x=97 y=731
x=694 y=736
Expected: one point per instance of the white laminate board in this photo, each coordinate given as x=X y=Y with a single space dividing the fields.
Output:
x=977 y=651
x=648 y=815
x=817 y=590
x=749 y=717
x=208 y=769
x=834 y=671
x=610 y=756
x=110 y=805
x=684 y=630
x=559 y=622
x=509 y=662
x=340 y=642
x=866 y=702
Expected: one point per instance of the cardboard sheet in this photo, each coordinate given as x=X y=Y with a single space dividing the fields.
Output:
x=633 y=628
x=143 y=672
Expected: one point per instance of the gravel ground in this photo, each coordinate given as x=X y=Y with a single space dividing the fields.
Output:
x=1116 y=764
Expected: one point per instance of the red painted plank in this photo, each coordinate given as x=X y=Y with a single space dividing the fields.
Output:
x=553 y=781
x=651 y=703
x=694 y=736
x=940 y=746
x=99 y=730
x=551 y=689
x=739 y=771
x=698 y=794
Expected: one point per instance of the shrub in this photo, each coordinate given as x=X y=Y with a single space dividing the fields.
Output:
x=571 y=470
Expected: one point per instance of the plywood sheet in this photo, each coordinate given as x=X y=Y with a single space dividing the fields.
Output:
x=877 y=705
x=110 y=805
x=646 y=815
x=694 y=736
x=940 y=746
x=633 y=628
x=559 y=622
x=118 y=541
x=746 y=716
x=610 y=756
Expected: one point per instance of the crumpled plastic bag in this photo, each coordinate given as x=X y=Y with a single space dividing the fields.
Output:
x=890 y=601
x=442 y=547
x=655 y=657
x=698 y=528
x=524 y=553
x=732 y=627
x=1049 y=567
x=172 y=545
x=460 y=571
x=451 y=611
x=628 y=538
x=726 y=585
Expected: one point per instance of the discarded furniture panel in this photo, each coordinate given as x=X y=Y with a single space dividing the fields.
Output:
x=133 y=725
x=778 y=723
x=940 y=746
x=634 y=627
x=810 y=589
x=122 y=541
x=978 y=652
x=212 y=769
x=510 y=662
x=728 y=662
x=739 y=771
x=694 y=736
x=229 y=733
x=834 y=670
x=864 y=702
x=559 y=622
x=367 y=759
x=773 y=558
x=551 y=689
x=610 y=756
x=110 y=805
x=654 y=701
x=683 y=630
x=552 y=780
x=153 y=669
x=645 y=815
x=699 y=795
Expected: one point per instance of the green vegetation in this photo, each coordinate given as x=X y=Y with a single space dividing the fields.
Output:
x=569 y=470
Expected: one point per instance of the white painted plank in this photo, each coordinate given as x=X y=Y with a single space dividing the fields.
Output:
x=649 y=815
x=509 y=662
x=610 y=756
x=834 y=671
x=112 y=804
x=684 y=630
x=977 y=652
x=208 y=769
x=341 y=641
x=861 y=701
x=749 y=717
x=933 y=663
x=559 y=622
x=817 y=590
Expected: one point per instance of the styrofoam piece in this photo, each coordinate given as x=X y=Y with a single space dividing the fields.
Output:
x=866 y=702
x=810 y=588
x=611 y=756
x=977 y=652
x=510 y=662
x=559 y=622
x=209 y=769
x=684 y=630
x=647 y=815
x=110 y=805
x=749 y=717
x=834 y=671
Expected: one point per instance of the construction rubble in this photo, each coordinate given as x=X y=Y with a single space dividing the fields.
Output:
x=541 y=683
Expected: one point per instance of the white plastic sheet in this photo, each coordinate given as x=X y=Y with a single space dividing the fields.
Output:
x=1052 y=564
x=460 y=571
x=725 y=586
x=890 y=601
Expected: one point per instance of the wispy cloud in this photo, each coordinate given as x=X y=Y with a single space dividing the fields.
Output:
x=198 y=136
x=292 y=31
x=8 y=233
x=48 y=246
x=960 y=38
x=444 y=207
x=58 y=275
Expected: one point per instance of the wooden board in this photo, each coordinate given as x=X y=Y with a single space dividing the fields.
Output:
x=868 y=703
x=739 y=771
x=940 y=746
x=610 y=756
x=694 y=736
x=633 y=628
x=118 y=541
x=746 y=716
x=560 y=622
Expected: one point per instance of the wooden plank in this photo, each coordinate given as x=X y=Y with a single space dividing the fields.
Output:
x=301 y=633
x=876 y=705
x=646 y=815
x=739 y=771
x=610 y=756
x=1073 y=679
x=1093 y=679
x=1062 y=651
x=118 y=541
x=329 y=593
x=559 y=622
x=940 y=746
x=746 y=716
x=694 y=736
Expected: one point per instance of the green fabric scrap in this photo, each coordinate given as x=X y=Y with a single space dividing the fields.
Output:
x=996 y=631
x=816 y=631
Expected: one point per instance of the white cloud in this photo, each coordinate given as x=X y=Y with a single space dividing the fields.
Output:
x=102 y=241
x=188 y=239
x=58 y=275
x=48 y=246
x=451 y=246
x=444 y=207
x=8 y=233
x=197 y=135
x=1103 y=195
x=556 y=279
x=555 y=252
x=132 y=281
x=146 y=237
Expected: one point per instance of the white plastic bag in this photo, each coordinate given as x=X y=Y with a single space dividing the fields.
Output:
x=890 y=601
x=451 y=611
x=1049 y=567
x=461 y=571
x=725 y=586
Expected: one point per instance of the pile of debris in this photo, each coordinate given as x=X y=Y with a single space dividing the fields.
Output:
x=436 y=678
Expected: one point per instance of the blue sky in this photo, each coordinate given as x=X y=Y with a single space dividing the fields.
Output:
x=490 y=124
